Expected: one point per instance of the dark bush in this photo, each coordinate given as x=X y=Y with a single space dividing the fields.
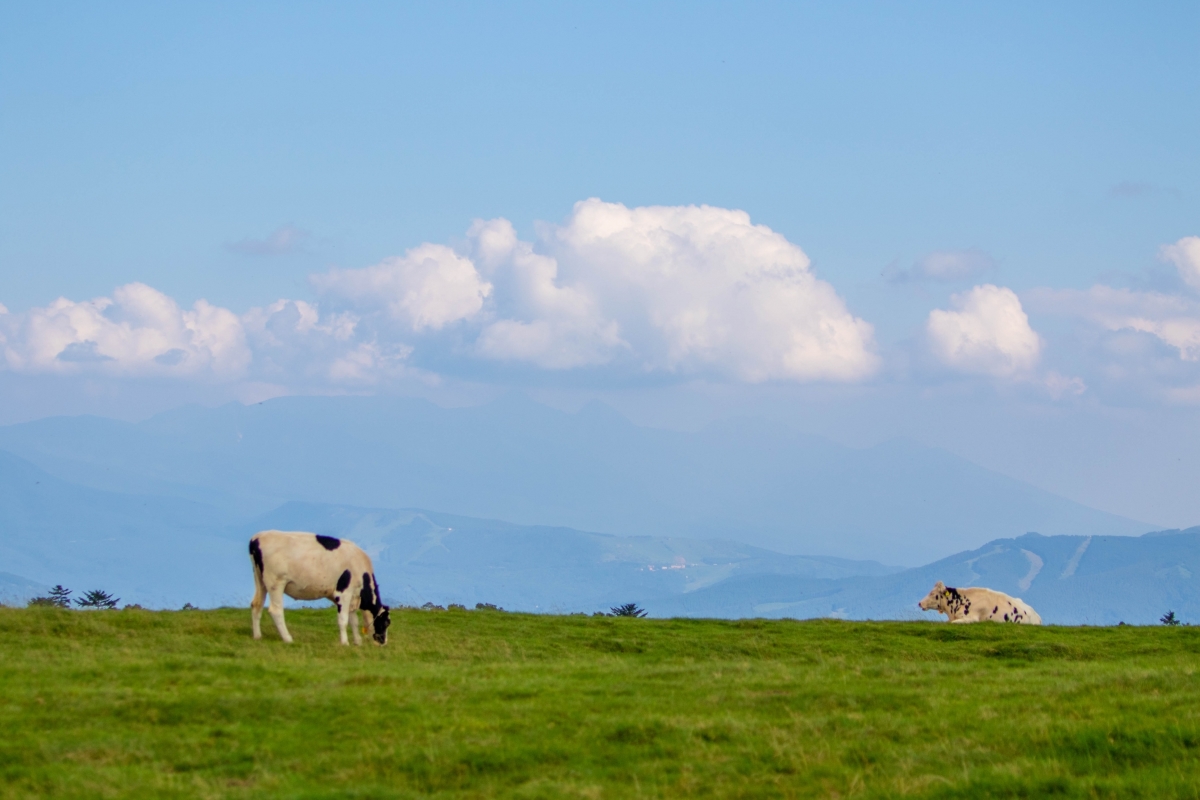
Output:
x=1169 y=618
x=627 y=610
x=97 y=598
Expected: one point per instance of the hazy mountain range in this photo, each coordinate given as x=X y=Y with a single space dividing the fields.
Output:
x=159 y=512
x=743 y=481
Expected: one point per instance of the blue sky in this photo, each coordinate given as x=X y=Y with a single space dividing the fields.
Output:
x=940 y=173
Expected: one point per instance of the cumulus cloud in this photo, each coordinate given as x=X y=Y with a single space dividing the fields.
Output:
x=945 y=266
x=1185 y=255
x=1172 y=319
x=427 y=288
x=137 y=331
x=698 y=288
x=986 y=333
x=279 y=242
x=689 y=290
x=294 y=343
x=542 y=322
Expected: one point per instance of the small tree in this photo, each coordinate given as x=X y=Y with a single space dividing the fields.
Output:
x=1169 y=618
x=58 y=597
x=627 y=610
x=97 y=598
x=61 y=596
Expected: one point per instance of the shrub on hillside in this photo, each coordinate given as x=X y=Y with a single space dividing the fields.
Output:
x=627 y=610
x=97 y=598
x=58 y=597
x=1169 y=618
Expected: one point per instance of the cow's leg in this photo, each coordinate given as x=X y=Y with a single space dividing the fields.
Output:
x=343 y=607
x=276 y=611
x=368 y=622
x=256 y=605
x=352 y=599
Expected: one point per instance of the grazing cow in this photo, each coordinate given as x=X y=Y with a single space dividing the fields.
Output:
x=307 y=567
x=978 y=605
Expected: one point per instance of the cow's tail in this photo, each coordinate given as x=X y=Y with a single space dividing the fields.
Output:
x=256 y=557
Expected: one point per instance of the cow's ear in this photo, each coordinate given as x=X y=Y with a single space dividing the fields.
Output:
x=939 y=587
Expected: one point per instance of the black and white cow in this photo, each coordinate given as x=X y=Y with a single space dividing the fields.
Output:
x=305 y=566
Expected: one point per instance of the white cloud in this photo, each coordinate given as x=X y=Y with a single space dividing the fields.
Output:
x=1185 y=255
x=1172 y=319
x=293 y=342
x=684 y=290
x=697 y=288
x=987 y=333
x=138 y=331
x=279 y=242
x=552 y=326
x=1059 y=385
x=427 y=288
x=946 y=266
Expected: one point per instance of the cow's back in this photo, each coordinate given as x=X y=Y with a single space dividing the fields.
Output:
x=309 y=564
x=998 y=606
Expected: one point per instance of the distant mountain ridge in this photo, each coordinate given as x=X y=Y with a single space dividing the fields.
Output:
x=425 y=556
x=1069 y=580
x=513 y=459
x=146 y=549
x=163 y=552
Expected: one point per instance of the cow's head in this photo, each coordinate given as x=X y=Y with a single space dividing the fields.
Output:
x=382 y=621
x=935 y=599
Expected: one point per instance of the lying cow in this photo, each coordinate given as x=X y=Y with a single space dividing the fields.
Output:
x=978 y=605
x=305 y=566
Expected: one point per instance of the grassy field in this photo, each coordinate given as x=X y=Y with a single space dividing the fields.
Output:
x=185 y=704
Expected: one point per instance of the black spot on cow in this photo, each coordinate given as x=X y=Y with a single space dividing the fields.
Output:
x=256 y=554
x=343 y=581
x=366 y=599
x=338 y=603
x=329 y=542
x=1006 y=617
x=996 y=609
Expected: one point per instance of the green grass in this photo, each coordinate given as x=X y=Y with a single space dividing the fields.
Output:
x=184 y=704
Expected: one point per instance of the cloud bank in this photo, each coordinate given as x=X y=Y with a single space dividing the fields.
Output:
x=677 y=292
x=684 y=291
x=138 y=331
